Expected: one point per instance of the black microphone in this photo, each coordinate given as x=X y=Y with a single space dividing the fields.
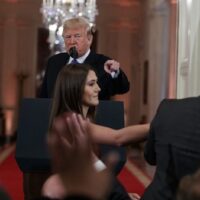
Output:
x=73 y=52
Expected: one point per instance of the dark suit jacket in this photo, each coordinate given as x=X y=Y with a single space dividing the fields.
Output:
x=108 y=85
x=173 y=146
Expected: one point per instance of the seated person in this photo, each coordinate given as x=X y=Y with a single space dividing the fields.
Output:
x=77 y=91
x=189 y=187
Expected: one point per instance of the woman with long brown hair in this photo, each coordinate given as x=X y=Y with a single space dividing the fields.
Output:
x=77 y=91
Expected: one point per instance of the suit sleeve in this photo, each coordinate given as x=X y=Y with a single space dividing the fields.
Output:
x=150 y=147
x=120 y=84
x=149 y=151
x=109 y=86
x=43 y=89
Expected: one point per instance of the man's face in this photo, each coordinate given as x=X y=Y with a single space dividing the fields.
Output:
x=77 y=37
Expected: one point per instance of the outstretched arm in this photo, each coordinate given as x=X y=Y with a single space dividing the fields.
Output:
x=71 y=150
x=106 y=135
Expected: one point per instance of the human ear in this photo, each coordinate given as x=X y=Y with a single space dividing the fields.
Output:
x=90 y=38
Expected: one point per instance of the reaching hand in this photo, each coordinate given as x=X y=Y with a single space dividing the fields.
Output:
x=71 y=151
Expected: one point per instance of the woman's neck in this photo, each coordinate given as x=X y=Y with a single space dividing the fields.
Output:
x=85 y=110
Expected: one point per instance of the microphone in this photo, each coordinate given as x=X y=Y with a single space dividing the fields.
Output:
x=73 y=52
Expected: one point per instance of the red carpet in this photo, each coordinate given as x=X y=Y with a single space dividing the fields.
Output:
x=130 y=182
x=11 y=178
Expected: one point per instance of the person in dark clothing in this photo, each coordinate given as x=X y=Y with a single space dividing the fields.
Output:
x=78 y=35
x=173 y=146
x=189 y=187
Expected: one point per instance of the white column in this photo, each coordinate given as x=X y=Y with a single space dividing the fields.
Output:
x=189 y=49
x=158 y=55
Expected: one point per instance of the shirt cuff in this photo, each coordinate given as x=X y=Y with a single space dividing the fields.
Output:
x=115 y=74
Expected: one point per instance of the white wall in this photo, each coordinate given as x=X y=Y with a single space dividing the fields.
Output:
x=188 y=81
x=158 y=53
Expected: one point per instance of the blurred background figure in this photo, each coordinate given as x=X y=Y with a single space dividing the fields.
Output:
x=189 y=187
x=74 y=161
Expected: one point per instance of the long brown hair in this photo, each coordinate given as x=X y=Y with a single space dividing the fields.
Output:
x=69 y=89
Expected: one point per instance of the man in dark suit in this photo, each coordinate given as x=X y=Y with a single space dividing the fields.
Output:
x=78 y=34
x=173 y=146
